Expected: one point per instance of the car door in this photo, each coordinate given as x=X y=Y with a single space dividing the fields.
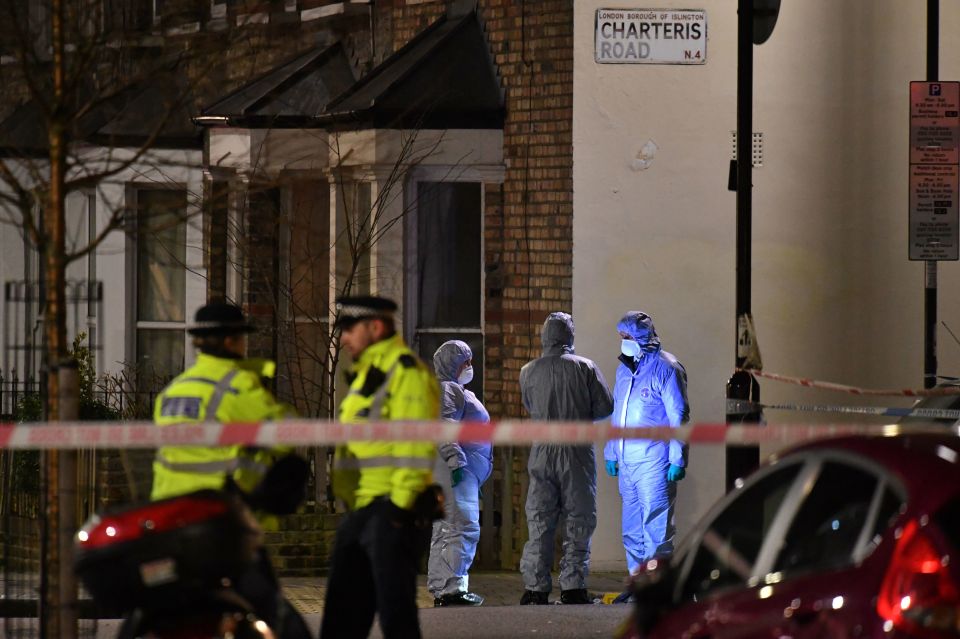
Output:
x=809 y=580
x=821 y=579
x=720 y=560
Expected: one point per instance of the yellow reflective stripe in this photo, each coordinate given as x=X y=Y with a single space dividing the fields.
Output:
x=212 y=467
x=380 y=461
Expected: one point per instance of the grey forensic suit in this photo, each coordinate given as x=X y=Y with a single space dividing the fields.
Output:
x=561 y=386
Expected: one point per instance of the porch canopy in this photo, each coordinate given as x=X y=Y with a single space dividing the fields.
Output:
x=152 y=111
x=442 y=80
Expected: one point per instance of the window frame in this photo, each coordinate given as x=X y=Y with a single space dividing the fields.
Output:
x=863 y=546
x=694 y=541
x=133 y=244
x=811 y=463
x=483 y=176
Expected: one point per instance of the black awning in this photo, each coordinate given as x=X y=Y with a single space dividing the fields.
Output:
x=24 y=133
x=158 y=107
x=287 y=96
x=161 y=107
x=443 y=78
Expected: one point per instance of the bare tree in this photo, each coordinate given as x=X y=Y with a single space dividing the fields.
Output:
x=314 y=266
x=80 y=75
x=317 y=266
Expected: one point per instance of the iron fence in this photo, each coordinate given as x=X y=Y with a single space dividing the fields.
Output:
x=104 y=477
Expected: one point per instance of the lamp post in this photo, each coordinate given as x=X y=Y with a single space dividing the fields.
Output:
x=930 y=272
x=755 y=22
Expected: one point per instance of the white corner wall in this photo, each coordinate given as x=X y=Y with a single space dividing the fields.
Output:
x=834 y=296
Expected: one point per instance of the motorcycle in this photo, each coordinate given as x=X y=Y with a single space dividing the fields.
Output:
x=176 y=568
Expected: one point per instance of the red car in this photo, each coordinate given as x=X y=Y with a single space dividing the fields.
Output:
x=840 y=538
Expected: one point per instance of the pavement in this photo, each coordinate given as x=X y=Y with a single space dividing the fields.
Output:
x=494 y=622
x=500 y=588
x=500 y=616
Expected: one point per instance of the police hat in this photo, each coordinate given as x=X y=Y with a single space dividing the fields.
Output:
x=351 y=310
x=219 y=318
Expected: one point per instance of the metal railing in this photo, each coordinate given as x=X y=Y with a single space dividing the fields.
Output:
x=103 y=477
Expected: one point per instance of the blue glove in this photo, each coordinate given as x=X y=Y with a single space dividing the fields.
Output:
x=456 y=476
x=676 y=473
x=612 y=467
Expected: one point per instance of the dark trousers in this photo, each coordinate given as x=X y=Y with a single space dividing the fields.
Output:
x=259 y=586
x=374 y=570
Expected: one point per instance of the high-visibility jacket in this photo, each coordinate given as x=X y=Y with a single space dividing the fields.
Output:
x=215 y=389
x=387 y=382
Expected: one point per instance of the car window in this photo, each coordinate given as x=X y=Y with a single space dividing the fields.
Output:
x=948 y=519
x=830 y=520
x=730 y=545
x=889 y=509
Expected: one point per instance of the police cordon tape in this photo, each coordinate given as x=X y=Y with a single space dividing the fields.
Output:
x=90 y=435
x=854 y=390
x=744 y=407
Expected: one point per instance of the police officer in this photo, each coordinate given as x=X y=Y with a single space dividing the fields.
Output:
x=385 y=484
x=222 y=386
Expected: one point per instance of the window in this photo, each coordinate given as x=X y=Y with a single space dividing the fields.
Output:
x=887 y=512
x=217 y=229
x=161 y=278
x=828 y=525
x=948 y=519
x=449 y=232
x=730 y=546
x=357 y=216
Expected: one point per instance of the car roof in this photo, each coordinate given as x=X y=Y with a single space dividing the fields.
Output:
x=943 y=402
x=927 y=464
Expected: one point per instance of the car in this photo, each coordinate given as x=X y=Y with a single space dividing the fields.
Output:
x=948 y=404
x=856 y=536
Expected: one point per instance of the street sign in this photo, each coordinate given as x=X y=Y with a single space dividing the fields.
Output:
x=934 y=170
x=651 y=36
x=934 y=122
x=933 y=211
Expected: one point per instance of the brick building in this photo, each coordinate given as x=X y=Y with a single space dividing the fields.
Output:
x=417 y=149
x=486 y=158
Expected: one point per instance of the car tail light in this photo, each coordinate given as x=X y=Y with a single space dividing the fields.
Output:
x=918 y=594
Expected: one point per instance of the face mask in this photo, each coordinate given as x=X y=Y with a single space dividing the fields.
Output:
x=630 y=348
x=466 y=376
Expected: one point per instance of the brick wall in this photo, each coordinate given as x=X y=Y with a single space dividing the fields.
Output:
x=303 y=545
x=529 y=231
